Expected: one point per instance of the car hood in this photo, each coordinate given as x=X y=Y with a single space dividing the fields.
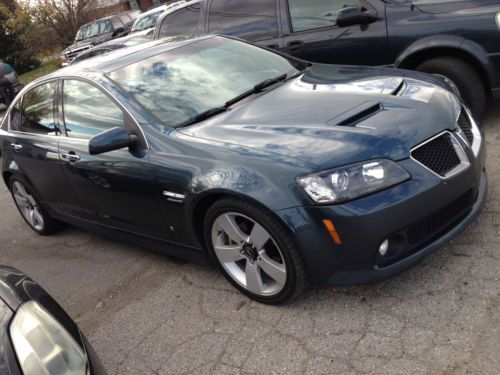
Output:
x=89 y=42
x=447 y=6
x=335 y=115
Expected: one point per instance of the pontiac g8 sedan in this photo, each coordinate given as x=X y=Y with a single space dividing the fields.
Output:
x=280 y=171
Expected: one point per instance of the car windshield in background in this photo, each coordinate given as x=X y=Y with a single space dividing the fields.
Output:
x=93 y=29
x=178 y=85
x=146 y=22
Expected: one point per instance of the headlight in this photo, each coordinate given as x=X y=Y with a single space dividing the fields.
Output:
x=352 y=181
x=497 y=19
x=43 y=346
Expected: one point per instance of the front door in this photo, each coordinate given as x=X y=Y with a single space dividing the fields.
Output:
x=33 y=139
x=115 y=188
x=311 y=33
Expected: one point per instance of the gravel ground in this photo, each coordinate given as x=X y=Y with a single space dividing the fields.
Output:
x=149 y=314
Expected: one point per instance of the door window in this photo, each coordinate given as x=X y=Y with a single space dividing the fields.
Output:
x=35 y=113
x=15 y=117
x=133 y=4
x=310 y=15
x=253 y=20
x=87 y=110
x=181 y=22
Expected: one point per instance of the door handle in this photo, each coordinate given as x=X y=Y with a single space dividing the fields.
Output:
x=16 y=146
x=295 y=45
x=70 y=156
x=273 y=46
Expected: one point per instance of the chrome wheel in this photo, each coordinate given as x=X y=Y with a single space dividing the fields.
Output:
x=27 y=206
x=249 y=254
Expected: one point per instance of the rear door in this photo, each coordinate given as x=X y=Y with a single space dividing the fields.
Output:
x=256 y=20
x=310 y=32
x=115 y=188
x=33 y=141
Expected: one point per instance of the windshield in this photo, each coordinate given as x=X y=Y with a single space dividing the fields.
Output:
x=181 y=83
x=145 y=22
x=94 y=29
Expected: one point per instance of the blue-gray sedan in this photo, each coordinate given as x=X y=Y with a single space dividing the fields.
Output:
x=280 y=171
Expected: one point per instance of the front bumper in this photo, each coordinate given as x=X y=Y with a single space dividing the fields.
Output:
x=423 y=213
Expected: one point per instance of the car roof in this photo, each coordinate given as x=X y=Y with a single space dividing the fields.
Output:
x=109 y=16
x=125 y=56
x=160 y=8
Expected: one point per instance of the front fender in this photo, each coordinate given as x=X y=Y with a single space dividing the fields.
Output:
x=427 y=43
x=467 y=48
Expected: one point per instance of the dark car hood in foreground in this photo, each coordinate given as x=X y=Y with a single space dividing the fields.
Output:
x=336 y=115
x=447 y=6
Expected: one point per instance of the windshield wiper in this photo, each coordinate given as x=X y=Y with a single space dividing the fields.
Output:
x=268 y=82
x=254 y=90
x=204 y=115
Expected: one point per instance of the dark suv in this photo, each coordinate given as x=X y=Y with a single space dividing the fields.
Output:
x=99 y=31
x=457 y=40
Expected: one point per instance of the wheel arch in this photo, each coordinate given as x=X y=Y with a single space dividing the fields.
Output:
x=201 y=206
x=467 y=51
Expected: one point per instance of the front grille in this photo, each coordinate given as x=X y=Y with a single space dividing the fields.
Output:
x=439 y=154
x=71 y=54
x=466 y=126
x=441 y=220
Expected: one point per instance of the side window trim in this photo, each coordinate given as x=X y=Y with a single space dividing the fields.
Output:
x=290 y=24
x=129 y=122
x=20 y=100
x=208 y=5
x=319 y=29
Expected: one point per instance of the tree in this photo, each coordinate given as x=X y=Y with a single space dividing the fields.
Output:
x=17 y=36
x=64 y=16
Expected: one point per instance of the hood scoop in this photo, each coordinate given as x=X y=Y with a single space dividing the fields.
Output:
x=356 y=115
x=400 y=88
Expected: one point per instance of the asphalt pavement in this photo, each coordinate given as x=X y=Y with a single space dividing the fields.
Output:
x=145 y=313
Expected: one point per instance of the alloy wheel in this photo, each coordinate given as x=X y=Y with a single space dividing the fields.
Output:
x=249 y=254
x=28 y=206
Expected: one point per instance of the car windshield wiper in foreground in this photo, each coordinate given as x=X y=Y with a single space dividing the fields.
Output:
x=215 y=111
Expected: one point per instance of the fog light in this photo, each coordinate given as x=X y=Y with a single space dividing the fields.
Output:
x=384 y=247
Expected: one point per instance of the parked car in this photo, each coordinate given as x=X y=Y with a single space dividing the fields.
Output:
x=126 y=41
x=9 y=74
x=38 y=337
x=100 y=31
x=456 y=40
x=277 y=169
x=147 y=20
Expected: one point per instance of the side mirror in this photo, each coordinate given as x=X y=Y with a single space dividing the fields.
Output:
x=354 y=15
x=110 y=140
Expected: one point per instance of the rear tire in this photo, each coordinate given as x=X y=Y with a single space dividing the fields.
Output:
x=260 y=248
x=465 y=78
x=30 y=208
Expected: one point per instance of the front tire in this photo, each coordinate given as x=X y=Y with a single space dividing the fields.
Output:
x=463 y=76
x=254 y=251
x=30 y=208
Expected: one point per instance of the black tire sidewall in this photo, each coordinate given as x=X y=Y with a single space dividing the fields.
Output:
x=244 y=208
x=465 y=78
